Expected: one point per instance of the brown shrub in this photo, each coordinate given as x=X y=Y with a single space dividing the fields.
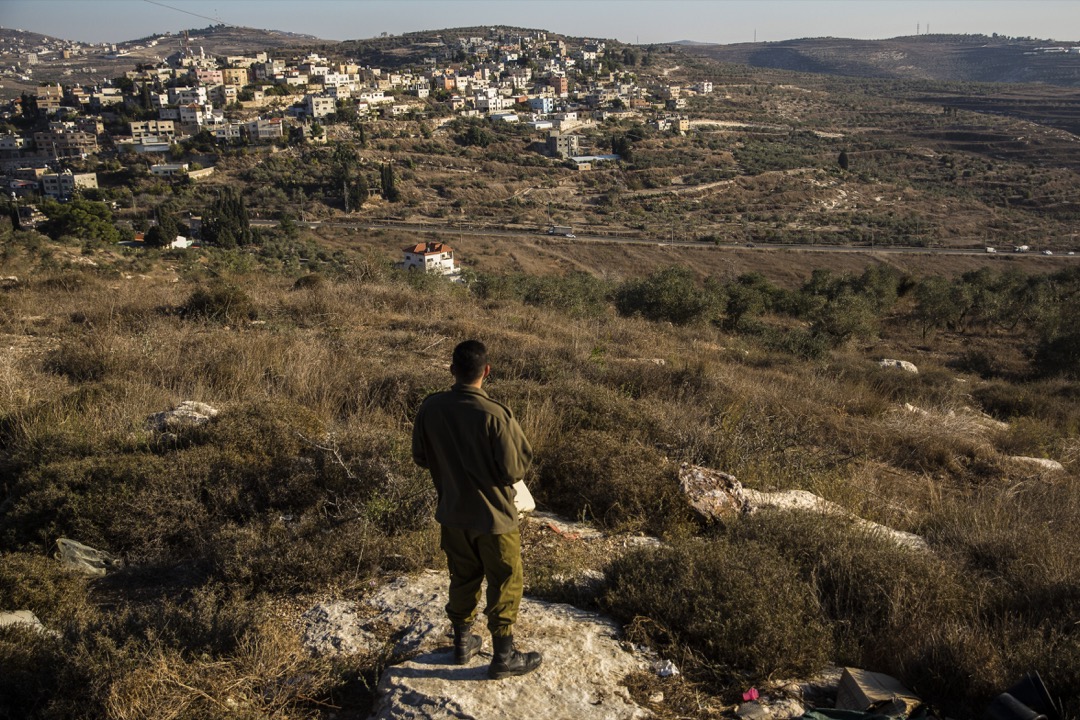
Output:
x=739 y=609
x=614 y=480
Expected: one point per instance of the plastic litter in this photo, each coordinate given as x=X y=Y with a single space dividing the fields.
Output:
x=665 y=668
x=85 y=558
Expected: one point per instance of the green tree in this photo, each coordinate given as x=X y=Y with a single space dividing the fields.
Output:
x=476 y=136
x=846 y=317
x=389 y=183
x=81 y=219
x=226 y=224
x=621 y=146
x=842 y=160
x=164 y=232
x=938 y=303
x=1059 y=353
x=749 y=296
x=667 y=295
x=358 y=192
x=29 y=105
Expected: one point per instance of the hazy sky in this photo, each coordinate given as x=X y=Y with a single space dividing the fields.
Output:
x=723 y=21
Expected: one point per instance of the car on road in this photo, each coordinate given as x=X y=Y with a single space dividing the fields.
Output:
x=1048 y=252
x=571 y=235
x=750 y=245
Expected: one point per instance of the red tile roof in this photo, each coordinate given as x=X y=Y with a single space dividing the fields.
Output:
x=431 y=248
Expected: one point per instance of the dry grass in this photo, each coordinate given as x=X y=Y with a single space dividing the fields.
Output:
x=304 y=483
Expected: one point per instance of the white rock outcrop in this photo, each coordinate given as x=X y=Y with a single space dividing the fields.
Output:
x=716 y=495
x=23 y=618
x=1040 y=463
x=584 y=665
x=900 y=365
x=189 y=413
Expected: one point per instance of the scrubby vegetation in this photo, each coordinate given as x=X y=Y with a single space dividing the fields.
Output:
x=303 y=486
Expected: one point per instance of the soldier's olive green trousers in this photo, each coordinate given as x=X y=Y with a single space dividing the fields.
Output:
x=472 y=557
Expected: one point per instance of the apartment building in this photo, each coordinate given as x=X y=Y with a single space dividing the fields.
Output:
x=64 y=184
x=187 y=96
x=208 y=77
x=563 y=145
x=239 y=76
x=317 y=106
x=165 y=129
x=66 y=143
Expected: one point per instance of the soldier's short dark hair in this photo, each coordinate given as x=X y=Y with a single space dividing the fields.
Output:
x=469 y=360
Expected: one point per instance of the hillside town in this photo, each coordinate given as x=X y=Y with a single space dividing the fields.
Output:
x=56 y=137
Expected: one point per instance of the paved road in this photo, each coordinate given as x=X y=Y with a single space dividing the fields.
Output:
x=442 y=229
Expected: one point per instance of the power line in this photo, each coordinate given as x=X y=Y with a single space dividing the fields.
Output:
x=186 y=12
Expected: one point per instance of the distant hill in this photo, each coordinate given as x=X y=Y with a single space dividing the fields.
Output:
x=955 y=58
x=217 y=39
x=236 y=40
x=11 y=35
x=96 y=63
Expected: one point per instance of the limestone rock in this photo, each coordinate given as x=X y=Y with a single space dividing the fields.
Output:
x=336 y=628
x=711 y=493
x=899 y=364
x=581 y=677
x=21 y=617
x=189 y=413
x=715 y=494
x=1040 y=463
x=771 y=709
x=970 y=420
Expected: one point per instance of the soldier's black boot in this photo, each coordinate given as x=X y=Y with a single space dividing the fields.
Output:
x=466 y=644
x=508 y=662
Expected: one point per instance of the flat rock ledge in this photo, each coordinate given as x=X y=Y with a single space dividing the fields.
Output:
x=585 y=663
x=716 y=495
x=1039 y=463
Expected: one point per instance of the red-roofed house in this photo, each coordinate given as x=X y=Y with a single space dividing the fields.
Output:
x=434 y=257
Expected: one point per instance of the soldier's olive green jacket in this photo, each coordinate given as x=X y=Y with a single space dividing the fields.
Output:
x=475 y=451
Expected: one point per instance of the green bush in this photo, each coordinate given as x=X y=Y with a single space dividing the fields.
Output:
x=739 y=608
x=608 y=477
x=311 y=281
x=220 y=303
x=669 y=295
x=1059 y=355
x=249 y=498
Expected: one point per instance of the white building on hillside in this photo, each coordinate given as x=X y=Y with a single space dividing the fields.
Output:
x=432 y=257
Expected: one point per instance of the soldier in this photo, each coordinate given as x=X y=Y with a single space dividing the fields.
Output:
x=476 y=451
